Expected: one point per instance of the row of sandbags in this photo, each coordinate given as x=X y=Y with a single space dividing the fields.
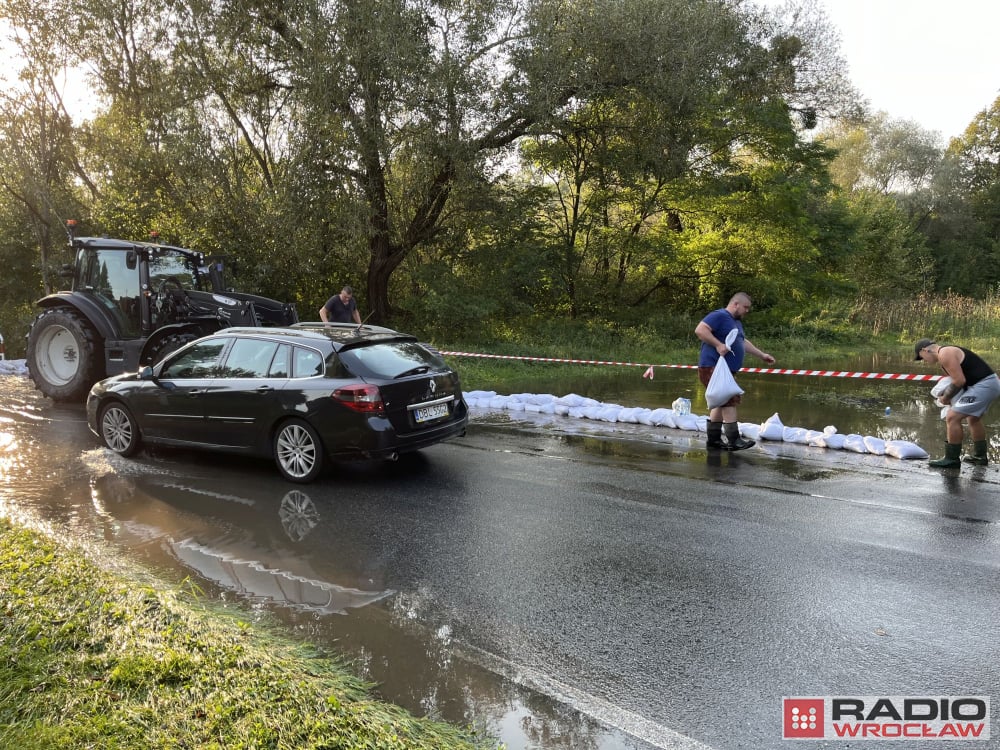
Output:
x=581 y=407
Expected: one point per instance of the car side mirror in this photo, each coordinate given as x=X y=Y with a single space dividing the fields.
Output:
x=146 y=373
x=66 y=271
x=130 y=260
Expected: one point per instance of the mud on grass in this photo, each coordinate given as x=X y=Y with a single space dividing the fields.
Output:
x=88 y=659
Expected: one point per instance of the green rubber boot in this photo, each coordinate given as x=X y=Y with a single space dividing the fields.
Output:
x=978 y=456
x=952 y=451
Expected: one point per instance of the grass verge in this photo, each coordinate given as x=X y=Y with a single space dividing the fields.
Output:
x=89 y=659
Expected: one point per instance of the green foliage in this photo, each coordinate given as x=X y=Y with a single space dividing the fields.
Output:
x=91 y=660
x=463 y=162
x=964 y=231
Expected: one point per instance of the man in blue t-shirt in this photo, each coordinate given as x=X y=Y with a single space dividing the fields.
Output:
x=341 y=308
x=712 y=332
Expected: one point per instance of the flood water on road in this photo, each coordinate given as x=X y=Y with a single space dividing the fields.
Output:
x=317 y=559
x=852 y=405
x=321 y=560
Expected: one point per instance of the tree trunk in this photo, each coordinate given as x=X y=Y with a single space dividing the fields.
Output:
x=385 y=258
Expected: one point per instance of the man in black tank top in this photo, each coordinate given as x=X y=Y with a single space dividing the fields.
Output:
x=974 y=386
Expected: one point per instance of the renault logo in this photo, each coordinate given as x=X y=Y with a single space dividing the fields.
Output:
x=432 y=386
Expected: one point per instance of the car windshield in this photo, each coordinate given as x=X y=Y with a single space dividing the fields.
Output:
x=390 y=360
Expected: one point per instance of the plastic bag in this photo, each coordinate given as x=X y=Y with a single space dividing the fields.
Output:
x=722 y=385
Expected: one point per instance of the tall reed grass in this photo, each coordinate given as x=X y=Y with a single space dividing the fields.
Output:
x=949 y=316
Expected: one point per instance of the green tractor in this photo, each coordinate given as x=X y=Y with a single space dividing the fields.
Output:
x=130 y=304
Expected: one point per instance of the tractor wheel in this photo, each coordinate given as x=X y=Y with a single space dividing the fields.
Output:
x=65 y=354
x=168 y=346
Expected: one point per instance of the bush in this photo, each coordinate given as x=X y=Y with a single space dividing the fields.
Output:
x=15 y=320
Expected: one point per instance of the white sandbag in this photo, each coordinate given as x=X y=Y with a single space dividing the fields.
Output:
x=644 y=416
x=571 y=399
x=481 y=394
x=855 y=442
x=665 y=418
x=772 y=428
x=701 y=420
x=940 y=386
x=578 y=412
x=470 y=401
x=561 y=409
x=548 y=408
x=750 y=431
x=593 y=412
x=904 y=449
x=721 y=386
x=794 y=435
x=875 y=445
x=609 y=413
x=812 y=435
x=833 y=440
x=499 y=402
x=686 y=422
x=627 y=415
x=541 y=398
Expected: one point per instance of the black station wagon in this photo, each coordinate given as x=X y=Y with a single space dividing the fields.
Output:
x=299 y=395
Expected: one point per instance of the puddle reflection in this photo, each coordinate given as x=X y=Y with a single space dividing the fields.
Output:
x=238 y=542
x=337 y=569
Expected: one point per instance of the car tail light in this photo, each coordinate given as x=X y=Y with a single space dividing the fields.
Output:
x=362 y=398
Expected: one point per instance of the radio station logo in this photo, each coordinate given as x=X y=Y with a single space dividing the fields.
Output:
x=951 y=717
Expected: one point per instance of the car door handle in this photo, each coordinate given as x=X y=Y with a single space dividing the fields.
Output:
x=195 y=391
x=263 y=389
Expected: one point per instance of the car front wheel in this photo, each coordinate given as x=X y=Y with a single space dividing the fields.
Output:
x=119 y=430
x=298 y=451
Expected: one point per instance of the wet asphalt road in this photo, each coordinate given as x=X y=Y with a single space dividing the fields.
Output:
x=668 y=596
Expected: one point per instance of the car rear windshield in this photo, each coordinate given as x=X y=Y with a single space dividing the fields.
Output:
x=390 y=359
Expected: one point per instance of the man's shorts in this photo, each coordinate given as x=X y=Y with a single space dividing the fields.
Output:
x=705 y=374
x=974 y=400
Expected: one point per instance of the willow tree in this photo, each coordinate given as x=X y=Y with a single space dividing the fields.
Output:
x=405 y=100
x=964 y=235
x=651 y=179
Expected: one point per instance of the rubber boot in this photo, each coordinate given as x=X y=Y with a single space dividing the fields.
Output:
x=734 y=441
x=714 y=431
x=952 y=451
x=978 y=455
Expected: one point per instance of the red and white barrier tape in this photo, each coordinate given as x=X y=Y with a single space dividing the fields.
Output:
x=766 y=370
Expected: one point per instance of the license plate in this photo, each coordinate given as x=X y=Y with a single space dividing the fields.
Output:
x=429 y=413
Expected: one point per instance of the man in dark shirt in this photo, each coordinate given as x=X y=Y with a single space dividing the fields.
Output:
x=974 y=386
x=711 y=331
x=341 y=308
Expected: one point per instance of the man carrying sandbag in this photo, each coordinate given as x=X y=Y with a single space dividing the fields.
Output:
x=712 y=332
x=973 y=386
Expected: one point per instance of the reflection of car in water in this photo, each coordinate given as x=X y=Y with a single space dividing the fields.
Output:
x=231 y=541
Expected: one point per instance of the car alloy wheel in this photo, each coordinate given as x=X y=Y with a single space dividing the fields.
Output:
x=119 y=430
x=298 y=451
